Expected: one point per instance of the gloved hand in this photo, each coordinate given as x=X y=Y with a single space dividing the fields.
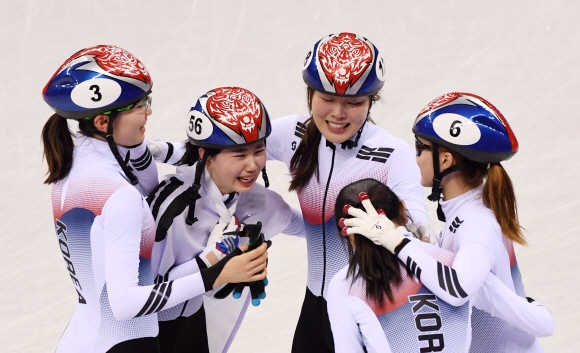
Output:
x=257 y=290
x=424 y=232
x=371 y=224
x=223 y=239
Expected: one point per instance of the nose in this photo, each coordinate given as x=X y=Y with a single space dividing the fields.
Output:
x=251 y=164
x=149 y=111
x=339 y=110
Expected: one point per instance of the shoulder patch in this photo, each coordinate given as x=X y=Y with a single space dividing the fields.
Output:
x=300 y=129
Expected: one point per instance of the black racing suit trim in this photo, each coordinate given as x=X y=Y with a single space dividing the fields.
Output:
x=333 y=148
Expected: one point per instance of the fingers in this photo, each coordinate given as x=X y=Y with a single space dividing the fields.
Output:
x=366 y=202
x=358 y=213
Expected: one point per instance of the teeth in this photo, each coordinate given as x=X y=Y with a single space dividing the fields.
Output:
x=337 y=126
x=246 y=180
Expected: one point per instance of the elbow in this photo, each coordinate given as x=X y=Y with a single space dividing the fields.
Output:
x=120 y=310
x=454 y=301
x=121 y=315
x=547 y=329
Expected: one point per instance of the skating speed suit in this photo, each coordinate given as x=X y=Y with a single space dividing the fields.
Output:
x=177 y=244
x=471 y=231
x=417 y=320
x=105 y=233
x=379 y=155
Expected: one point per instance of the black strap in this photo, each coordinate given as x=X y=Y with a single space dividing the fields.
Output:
x=113 y=146
x=194 y=190
x=440 y=214
x=350 y=144
x=265 y=177
x=438 y=175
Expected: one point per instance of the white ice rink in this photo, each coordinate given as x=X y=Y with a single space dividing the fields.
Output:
x=524 y=56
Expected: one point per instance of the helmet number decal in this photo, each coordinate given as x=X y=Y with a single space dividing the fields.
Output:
x=456 y=129
x=380 y=68
x=307 y=60
x=96 y=93
x=195 y=125
x=199 y=126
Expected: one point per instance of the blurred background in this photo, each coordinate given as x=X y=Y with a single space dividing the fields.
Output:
x=522 y=56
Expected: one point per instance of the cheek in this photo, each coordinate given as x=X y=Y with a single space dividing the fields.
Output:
x=358 y=115
x=261 y=161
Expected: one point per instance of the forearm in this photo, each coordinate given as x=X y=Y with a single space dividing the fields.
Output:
x=454 y=284
x=501 y=302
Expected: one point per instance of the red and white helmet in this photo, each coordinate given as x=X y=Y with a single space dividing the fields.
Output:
x=344 y=64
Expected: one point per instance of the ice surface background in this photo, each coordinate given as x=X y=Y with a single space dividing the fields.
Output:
x=522 y=56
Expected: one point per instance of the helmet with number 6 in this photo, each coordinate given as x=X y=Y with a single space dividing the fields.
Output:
x=97 y=80
x=469 y=125
x=227 y=117
x=344 y=64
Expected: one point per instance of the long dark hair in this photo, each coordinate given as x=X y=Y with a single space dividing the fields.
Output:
x=304 y=162
x=376 y=266
x=57 y=139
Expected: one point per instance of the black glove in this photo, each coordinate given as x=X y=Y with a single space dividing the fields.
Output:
x=257 y=289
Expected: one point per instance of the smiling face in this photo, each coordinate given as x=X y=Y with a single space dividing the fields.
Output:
x=236 y=170
x=339 y=118
x=129 y=126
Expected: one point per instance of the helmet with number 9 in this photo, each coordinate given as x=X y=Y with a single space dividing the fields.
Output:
x=227 y=117
x=344 y=64
x=97 y=80
x=469 y=125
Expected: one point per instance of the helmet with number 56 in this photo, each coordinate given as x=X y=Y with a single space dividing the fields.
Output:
x=227 y=117
x=97 y=80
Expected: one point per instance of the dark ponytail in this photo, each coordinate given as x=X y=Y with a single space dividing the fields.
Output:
x=58 y=148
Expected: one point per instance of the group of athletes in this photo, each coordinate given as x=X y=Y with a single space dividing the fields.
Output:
x=172 y=266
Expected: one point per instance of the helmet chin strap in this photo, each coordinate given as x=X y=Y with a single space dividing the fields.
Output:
x=113 y=146
x=265 y=177
x=350 y=144
x=437 y=177
x=194 y=190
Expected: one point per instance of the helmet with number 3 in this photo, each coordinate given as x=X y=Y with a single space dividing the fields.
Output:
x=96 y=80
x=469 y=125
x=344 y=64
x=227 y=117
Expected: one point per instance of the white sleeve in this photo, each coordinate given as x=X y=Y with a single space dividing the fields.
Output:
x=354 y=325
x=454 y=284
x=141 y=163
x=405 y=180
x=296 y=225
x=187 y=268
x=501 y=302
x=122 y=220
x=284 y=139
x=166 y=152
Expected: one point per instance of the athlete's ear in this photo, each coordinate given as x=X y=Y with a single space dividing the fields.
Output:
x=101 y=122
x=446 y=160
